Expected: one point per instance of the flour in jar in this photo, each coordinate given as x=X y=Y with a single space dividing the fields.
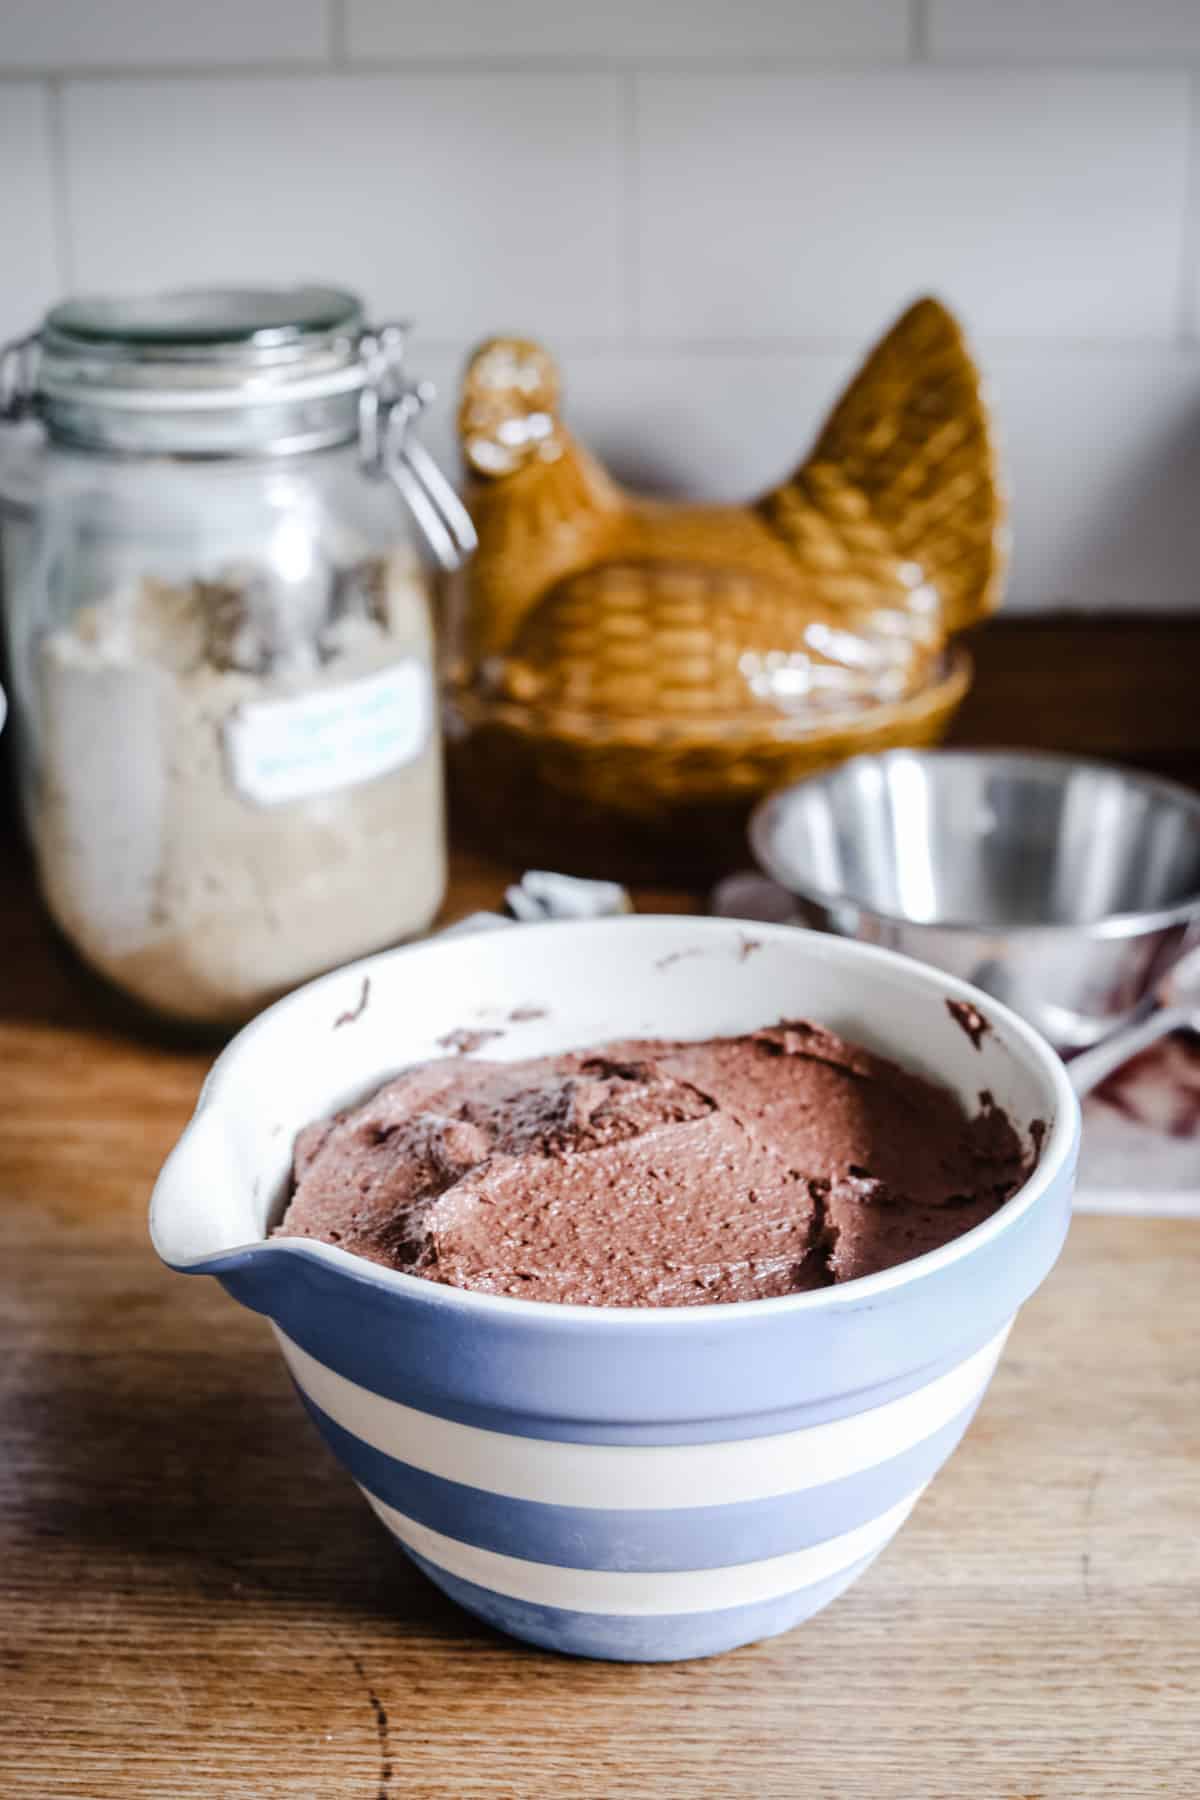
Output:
x=232 y=798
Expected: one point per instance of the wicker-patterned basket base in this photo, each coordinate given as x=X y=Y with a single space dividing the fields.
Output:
x=666 y=809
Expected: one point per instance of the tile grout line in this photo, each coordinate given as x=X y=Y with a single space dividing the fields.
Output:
x=918 y=31
x=56 y=137
x=367 y=68
x=1035 y=349
x=631 y=233
x=1189 y=249
x=337 y=35
x=701 y=67
x=254 y=70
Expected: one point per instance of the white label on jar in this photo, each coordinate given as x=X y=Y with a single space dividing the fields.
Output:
x=281 y=750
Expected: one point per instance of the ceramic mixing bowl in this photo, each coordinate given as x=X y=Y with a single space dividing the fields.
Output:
x=641 y=1484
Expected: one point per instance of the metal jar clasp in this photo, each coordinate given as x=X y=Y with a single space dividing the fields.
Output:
x=18 y=377
x=389 y=405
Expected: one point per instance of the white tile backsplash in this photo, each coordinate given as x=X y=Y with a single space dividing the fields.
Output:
x=709 y=206
x=29 y=274
x=469 y=201
x=1067 y=30
x=1104 y=453
x=825 y=29
x=82 y=34
x=803 y=206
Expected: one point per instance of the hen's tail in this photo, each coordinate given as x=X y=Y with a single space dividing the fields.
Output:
x=905 y=468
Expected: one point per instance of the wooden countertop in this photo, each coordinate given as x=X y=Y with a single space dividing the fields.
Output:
x=195 y=1602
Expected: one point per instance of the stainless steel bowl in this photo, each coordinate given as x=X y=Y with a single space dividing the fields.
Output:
x=1063 y=887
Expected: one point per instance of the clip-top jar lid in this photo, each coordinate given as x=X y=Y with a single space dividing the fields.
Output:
x=203 y=322
x=203 y=347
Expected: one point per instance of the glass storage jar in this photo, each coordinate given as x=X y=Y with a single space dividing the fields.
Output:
x=219 y=642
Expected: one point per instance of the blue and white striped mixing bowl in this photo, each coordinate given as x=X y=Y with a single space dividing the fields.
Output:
x=641 y=1484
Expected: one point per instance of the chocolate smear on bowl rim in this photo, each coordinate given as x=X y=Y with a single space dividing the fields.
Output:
x=464 y=1040
x=968 y=1018
x=356 y=1012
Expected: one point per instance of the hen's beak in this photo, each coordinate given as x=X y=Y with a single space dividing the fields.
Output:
x=498 y=446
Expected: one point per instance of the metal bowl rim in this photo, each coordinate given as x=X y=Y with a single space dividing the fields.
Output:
x=1111 y=925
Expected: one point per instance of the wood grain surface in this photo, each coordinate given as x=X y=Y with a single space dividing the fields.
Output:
x=1119 y=687
x=195 y=1602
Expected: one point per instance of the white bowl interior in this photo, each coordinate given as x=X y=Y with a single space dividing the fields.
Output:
x=546 y=988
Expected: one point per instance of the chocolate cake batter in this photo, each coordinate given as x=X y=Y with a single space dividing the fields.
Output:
x=655 y=1174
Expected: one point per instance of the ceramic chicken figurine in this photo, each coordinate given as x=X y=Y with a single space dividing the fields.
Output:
x=627 y=675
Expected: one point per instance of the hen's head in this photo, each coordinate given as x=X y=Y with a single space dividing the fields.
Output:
x=508 y=412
